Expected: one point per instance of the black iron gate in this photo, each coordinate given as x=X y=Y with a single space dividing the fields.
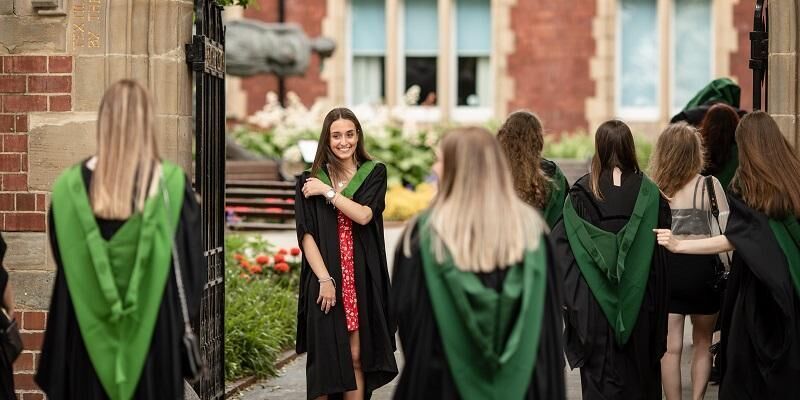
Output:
x=759 y=54
x=206 y=56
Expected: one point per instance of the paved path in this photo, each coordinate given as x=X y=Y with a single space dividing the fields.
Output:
x=291 y=385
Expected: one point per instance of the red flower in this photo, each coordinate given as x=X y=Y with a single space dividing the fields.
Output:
x=279 y=258
x=283 y=252
x=255 y=269
x=294 y=251
x=238 y=256
x=281 y=267
x=245 y=264
x=262 y=259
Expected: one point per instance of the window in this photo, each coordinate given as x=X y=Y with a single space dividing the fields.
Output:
x=637 y=71
x=421 y=44
x=368 y=44
x=640 y=60
x=691 y=49
x=473 y=47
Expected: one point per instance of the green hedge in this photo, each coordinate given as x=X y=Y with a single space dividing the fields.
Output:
x=260 y=309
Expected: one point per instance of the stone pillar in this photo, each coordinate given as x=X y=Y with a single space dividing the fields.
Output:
x=56 y=59
x=783 y=79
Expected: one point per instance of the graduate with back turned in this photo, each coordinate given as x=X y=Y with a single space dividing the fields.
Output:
x=615 y=289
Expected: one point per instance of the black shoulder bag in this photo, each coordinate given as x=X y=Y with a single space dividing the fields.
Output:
x=194 y=364
x=720 y=273
x=10 y=340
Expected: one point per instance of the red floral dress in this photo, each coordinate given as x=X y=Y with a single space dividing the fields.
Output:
x=345 y=227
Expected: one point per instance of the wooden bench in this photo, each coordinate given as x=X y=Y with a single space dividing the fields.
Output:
x=256 y=199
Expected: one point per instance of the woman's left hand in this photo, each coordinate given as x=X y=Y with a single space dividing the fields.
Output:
x=665 y=238
x=314 y=187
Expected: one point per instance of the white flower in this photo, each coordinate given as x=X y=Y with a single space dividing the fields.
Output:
x=292 y=154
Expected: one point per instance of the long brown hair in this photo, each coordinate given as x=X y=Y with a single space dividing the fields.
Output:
x=718 y=130
x=475 y=183
x=678 y=157
x=767 y=177
x=325 y=155
x=613 y=148
x=126 y=151
x=522 y=140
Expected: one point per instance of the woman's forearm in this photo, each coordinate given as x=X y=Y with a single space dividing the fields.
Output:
x=358 y=213
x=312 y=254
x=712 y=245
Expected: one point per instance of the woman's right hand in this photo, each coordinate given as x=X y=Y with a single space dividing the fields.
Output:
x=327 y=296
x=665 y=238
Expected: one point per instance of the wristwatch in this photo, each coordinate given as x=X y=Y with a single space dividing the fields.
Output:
x=329 y=195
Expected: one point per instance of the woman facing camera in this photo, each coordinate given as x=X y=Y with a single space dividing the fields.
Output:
x=538 y=181
x=761 y=310
x=343 y=319
x=614 y=274
x=477 y=294
x=676 y=165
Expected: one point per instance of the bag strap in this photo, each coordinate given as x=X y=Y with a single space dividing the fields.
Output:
x=176 y=263
x=712 y=200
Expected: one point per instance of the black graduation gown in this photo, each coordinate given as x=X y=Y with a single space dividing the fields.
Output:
x=6 y=365
x=608 y=370
x=65 y=370
x=329 y=368
x=426 y=374
x=760 y=315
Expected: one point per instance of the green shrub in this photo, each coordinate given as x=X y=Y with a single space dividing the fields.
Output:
x=260 y=308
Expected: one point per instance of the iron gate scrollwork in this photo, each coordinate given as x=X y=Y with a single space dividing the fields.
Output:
x=206 y=57
x=759 y=53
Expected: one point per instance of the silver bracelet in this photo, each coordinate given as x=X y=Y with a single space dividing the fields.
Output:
x=328 y=279
x=333 y=201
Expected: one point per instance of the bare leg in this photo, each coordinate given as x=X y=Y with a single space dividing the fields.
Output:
x=702 y=332
x=355 y=351
x=671 y=361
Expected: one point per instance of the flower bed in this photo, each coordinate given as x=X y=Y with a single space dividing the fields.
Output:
x=260 y=304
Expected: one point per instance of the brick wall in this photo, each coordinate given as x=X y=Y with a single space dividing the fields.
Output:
x=550 y=64
x=35 y=83
x=32 y=332
x=309 y=15
x=740 y=70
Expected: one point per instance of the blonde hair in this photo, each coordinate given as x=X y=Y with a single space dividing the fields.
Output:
x=476 y=215
x=126 y=151
x=678 y=157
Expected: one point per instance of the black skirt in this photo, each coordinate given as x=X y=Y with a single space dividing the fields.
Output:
x=690 y=279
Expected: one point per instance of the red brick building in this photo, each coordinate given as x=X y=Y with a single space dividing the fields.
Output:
x=574 y=62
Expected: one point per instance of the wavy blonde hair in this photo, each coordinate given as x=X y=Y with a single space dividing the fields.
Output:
x=127 y=155
x=522 y=140
x=677 y=159
x=476 y=215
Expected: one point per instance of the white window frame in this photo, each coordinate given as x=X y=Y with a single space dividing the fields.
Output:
x=468 y=114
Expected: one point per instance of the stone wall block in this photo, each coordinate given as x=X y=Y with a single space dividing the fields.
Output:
x=167 y=137
x=164 y=28
x=32 y=289
x=788 y=125
x=27 y=35
x=164 y=86
x=6 y=7
x=88 y=82
x=128 y=67
x=184 y=142
x=782 y=84
x=26 y=250
x=184 y=22
x=783 y=24
x=55 y=145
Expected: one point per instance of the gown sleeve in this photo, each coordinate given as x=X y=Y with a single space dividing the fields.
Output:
x=373 y=192
x=304 y=213
x=188 y=243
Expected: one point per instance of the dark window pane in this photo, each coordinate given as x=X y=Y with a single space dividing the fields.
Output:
x=421 y=71
x=467 y=81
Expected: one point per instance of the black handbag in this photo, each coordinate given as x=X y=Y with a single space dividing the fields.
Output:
x=193 y=362
x=11 y=341
x=720 y=272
